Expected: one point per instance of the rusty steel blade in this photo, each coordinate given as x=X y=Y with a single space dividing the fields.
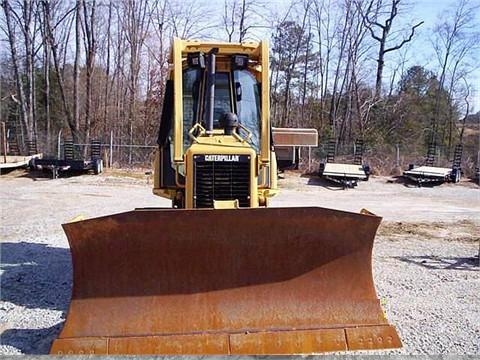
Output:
x=245 y=281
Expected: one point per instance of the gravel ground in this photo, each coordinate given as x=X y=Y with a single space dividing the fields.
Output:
x=425 y=268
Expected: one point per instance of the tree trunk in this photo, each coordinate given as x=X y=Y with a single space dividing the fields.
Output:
x=61 y=83
x=90 y=50
x=13 y=51
x=107 y=70
x=380 y=66
x=46 y=74
x=25 y=98
x=76 y=74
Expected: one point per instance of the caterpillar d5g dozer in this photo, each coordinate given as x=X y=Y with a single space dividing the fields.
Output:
x=221 y=273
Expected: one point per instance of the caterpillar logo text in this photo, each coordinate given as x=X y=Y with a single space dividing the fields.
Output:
x=229 y=158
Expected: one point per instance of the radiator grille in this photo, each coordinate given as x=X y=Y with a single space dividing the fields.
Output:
x=221 y=180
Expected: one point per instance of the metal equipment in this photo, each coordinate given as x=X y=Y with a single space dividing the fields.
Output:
x=436 y=175
x=347 y=175
x=220 y=273
x=70 y=162
x=11 y=157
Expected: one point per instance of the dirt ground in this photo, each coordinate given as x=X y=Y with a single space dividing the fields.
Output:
x=425 y=256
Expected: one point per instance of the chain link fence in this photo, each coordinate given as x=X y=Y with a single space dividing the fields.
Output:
x=392 y=159
x=115 y=152
x=382 y=159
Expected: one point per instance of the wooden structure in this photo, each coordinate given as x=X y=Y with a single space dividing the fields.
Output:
x=288 y=143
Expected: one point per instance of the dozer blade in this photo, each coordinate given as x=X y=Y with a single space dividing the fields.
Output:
x=246 y=281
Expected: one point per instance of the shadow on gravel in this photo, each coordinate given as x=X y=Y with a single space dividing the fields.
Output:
x=412 y=184
x=35 y=276
x=399 y=179
x=408 y=183
x=327 y=184
x=31 y=341
x=474 y=181
x=34 y=174
x=442 y=263
x=46 y=174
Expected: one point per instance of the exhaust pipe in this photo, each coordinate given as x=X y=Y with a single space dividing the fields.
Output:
x=211 y=89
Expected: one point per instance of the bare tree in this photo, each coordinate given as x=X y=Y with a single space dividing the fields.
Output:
x=76 y=71
x=157 y=44
x=229 y=18
x=355 y=116
x=456 y=42
x=25 y=91
x=289 y=45
x=90 y=52
x=241 y=17
x=136 y=24
x=54 y=44
x=467 y=109
x=106 y=92
x=372 y=20
x=190 y=19
x=276 y=65
x=46 y=73
x=323 y=15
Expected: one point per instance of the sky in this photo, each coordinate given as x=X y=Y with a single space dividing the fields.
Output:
x=420 y=50
x=430 y=11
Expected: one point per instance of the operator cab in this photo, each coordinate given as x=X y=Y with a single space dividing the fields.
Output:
x=235 y=91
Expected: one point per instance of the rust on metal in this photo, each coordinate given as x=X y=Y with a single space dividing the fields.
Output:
x=207 y=344
x=288 y=342
x=80 y=346
x=246 y=281
x=372 y=337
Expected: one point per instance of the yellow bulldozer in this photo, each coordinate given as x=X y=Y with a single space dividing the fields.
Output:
x=220 y=272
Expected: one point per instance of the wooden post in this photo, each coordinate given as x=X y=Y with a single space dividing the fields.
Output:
x=4 y=139
x=111 y=148
x=309 y=158
x=59 y=140
x=398 y=155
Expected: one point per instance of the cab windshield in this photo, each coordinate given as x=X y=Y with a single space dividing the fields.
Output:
x=236 y=91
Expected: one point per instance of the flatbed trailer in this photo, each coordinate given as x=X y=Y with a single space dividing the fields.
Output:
x=431 y=174
x=57 y=166
x=70 y=161
x=347 y=175
x=10 y=162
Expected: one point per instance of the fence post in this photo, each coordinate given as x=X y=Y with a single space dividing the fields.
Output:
x=59 y=139
x=111 y=148
x=398 y=154
x=131 y=141
x=4 y=140
x=478 y=165
x=309 y=159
